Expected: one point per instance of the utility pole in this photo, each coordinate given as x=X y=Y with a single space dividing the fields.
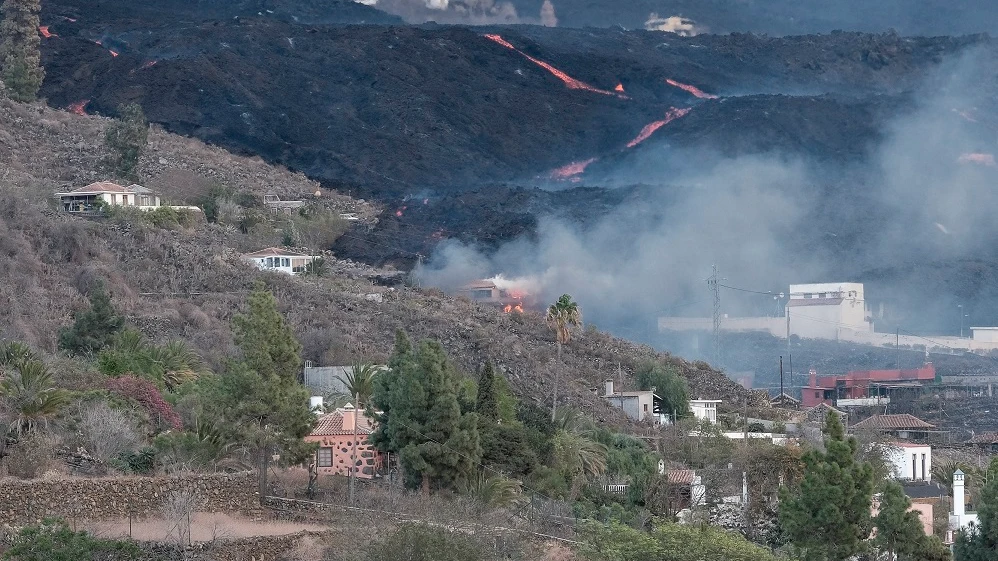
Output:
x=781 y=380
x=713 y=282
x=353 y=460
x=897 y=347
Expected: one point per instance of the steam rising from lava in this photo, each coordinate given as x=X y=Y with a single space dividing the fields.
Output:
x=451 y=11
x=750 y=214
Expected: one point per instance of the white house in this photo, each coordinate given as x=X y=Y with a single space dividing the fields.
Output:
x=638 y=405
x=88 y=198
x=277 y=259
x=959 y=519
x=825 y=310
x=911 y=461
x=705 y=409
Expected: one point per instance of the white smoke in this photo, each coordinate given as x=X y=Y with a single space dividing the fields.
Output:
x=475 y=12
x=673 y=24
x=548 y=17
x=437 y=4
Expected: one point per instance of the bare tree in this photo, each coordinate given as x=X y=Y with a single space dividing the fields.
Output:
x=177 y=511
x=106 y=433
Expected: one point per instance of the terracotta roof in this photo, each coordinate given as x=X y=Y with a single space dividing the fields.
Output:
x=479 y=284
x=814 y=302
x=682 y=476
x=903 y=421
x=984 y=438
x=331 y=424
x=101 y=187
x=274 y=252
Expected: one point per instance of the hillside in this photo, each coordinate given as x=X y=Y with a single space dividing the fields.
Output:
x=187 y=282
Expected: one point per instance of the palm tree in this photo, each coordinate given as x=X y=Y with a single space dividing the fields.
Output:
x=497 y=491
x=359 y=382
x=175 y=363
x=29 y=392
x=562 y=316
x=13 y=354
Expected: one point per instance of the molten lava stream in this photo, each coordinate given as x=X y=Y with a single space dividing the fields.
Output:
x=693 y=90
x=572 y=169
x=671 y=115
x=79 y=107
x=44 y=30
x=570 y=82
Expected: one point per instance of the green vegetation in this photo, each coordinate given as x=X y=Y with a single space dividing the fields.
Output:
x=168 y=365
x=422 y=419
x=671 y=542
x=20 y=52
x=126 y=139
x=828 y=516
x=899 y=531
x=53 y=540
x=422 y=542
x=92 y=329
x=562 y=316
x=26 y=390
x=668 y=385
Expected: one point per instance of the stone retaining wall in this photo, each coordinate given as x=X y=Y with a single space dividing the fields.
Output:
x=27 y=502
x=260 y=548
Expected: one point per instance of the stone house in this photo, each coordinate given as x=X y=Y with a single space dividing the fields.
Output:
x=334 y=432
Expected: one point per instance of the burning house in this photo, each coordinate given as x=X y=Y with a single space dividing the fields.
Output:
x=508 y=295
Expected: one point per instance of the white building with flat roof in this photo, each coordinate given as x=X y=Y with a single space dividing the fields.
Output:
x=705 y=409
x=827 y=310
x=911 y=461
x=279 y=259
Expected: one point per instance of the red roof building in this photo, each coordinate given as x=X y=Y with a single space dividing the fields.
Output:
x=334 y=432
x=862 y=385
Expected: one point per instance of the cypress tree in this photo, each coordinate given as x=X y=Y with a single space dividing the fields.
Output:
x=268 y=344
x=828 y=517
x=421 y=418
x=94 y=328
x=126 y=139
x=20 y=52
x=488 y=398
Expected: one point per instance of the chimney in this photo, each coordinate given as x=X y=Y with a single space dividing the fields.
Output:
x=349 y=416
x=609 y=387
x=959 y=506
x=814 y=378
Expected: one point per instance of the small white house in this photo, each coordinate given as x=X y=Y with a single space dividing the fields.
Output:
x=911 y=461
x=638 y=405
x=277 y=259
x=705 y=409
x=91 y=197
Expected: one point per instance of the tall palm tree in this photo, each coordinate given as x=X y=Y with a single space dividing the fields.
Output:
x=563 y=316
x=30 y=394
x=359 y=382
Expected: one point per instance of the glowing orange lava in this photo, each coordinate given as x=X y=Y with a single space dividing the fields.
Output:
x=572 y=169
x=44 y=30
x=693 y=90
x=977 y=158
x=400 y=211
x=570 y=82
x=619 y=88
x=79 y=107
x=671 y=115
x=150 y=64
x=510 y=308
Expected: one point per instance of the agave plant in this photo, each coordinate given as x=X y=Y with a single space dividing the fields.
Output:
x=31 y=396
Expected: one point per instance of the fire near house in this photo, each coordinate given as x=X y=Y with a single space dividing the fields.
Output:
x=507 y=295
x=334 y=432
x=277 y=259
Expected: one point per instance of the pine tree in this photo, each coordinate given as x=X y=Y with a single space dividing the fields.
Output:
x=421 y=419
x=95 y=328
x=261 y=397
x=488 y=400
x=20 y=54
x=126 y=139
x=980 y=542
x=269 y=346
x=899 y=531
x=828 y=517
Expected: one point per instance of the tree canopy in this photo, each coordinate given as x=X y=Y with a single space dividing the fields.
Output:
x=828 y=517
x=421 y=417
x=20 y=52
x=126 y=139
x=94 y=328
x=899 y=531
x=668 y=385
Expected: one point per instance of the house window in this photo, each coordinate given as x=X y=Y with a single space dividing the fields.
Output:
x=914 y=466
x=324 y=457
x=817 y=395
x=270 y=262
x=923 y=468
x=285 y=262
x=646 y=407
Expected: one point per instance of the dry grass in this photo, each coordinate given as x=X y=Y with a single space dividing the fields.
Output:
x=204 y=527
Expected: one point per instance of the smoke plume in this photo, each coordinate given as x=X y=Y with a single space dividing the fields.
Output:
x=548 y=18
x=476 y=12
x=769 y=220
x=673 y=24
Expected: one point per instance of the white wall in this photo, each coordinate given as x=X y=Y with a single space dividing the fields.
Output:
x=910 y=469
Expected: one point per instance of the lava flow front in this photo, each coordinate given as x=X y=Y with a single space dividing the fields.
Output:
x=44 y=30
x=692 y=90
x=671 y=115
x=572 y=83
x=572 y=170
x=79 y=107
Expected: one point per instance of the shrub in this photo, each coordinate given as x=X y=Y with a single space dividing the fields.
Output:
x=422 y=542
x=149 y=397
x=33 y=455
x=107 y=433
x=126 y=139
x=53 y=540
